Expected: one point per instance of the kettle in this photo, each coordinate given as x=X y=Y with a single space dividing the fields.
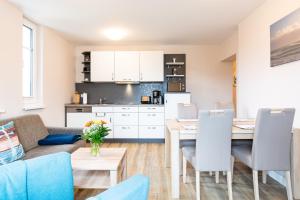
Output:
x=84 y=98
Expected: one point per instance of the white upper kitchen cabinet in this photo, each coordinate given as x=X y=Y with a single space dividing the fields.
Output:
x=127 y=64
x=151 y=66
x=102 y=66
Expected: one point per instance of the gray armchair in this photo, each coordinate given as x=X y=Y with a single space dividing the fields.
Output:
x=213 y=146
x=271 y=147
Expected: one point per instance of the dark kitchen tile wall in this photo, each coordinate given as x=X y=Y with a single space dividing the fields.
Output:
x=118 y=93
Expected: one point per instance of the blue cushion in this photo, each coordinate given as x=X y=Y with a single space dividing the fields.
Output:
x=57 y=139
x=135 y=188
x=50 y=177
x=13 y=181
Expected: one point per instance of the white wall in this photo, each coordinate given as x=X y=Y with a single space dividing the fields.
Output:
x=59 y=72
x=229 y=47
x=208 y=79
x=259 y=85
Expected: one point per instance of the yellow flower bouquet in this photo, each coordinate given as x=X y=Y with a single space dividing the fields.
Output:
x=94 y=132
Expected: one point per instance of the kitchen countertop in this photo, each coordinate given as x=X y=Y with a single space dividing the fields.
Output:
x=111 y=105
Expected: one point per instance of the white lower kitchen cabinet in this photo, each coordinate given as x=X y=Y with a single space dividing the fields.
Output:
x=108 y=118
x=126 y=119
x=77 y=120
x=151 y=119
x=151 y=132
x=126 y=132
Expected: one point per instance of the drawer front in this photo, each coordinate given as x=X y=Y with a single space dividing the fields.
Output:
x=108 y=118
x=126 y=118
x=155 y=109
x=126 y=132
x=126 y=109
x=146 y=119
x=102 y=109
x=154 y=132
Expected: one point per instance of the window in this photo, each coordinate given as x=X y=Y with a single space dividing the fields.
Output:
x=32 y=67
x=28 y=60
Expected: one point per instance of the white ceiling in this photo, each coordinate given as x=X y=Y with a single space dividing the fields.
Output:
x=146 y=21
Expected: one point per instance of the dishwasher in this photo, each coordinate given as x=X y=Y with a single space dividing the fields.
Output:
x=76 y=116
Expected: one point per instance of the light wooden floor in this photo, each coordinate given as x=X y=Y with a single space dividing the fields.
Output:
x=148 y=159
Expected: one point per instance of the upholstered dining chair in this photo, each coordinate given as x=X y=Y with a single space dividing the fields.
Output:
x=187 y=112
x=271 y=146
x=213 y=146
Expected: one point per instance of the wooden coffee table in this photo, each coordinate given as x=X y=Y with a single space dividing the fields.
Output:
x=99 y=172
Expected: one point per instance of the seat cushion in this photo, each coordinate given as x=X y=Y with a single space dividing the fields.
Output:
x=187 y=143
x=243 y=153
x=49 y=149
x=189 y=153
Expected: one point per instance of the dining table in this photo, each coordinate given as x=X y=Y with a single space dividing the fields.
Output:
x=180 y=130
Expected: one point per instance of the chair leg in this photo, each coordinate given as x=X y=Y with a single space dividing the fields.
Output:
x=217 y=177
x=255 y=185
x=229 y=185
x=197 y=185
x=264 y=177
x=289 y=185
x=232 y=167
x=184 y=163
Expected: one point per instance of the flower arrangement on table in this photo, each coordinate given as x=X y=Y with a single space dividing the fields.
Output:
x=94 y=132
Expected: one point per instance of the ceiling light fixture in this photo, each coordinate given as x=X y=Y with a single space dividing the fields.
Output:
x=115 y=33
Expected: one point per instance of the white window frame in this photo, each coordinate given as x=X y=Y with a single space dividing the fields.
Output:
x=36 y=100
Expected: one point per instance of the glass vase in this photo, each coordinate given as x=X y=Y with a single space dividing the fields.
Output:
x=95 y=149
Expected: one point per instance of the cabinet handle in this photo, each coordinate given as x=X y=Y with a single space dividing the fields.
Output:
x=112 y=76
x=124 y=128
x=153 y=115
x=141 y=76
x=154 y=127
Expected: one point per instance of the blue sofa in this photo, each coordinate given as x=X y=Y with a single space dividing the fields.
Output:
x=50 y=178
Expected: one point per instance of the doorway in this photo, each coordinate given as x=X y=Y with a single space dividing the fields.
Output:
x=234 y=84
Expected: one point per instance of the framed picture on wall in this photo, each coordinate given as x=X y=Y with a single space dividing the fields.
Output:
x=285 y=39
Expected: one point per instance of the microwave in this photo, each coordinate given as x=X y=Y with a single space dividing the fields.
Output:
x=176 y=87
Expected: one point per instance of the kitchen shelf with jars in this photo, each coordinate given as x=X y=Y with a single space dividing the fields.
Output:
x=175 y=72
x=86 y=66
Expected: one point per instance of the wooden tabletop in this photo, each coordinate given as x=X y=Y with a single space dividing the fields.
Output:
x=237 y=133
x=109 y=159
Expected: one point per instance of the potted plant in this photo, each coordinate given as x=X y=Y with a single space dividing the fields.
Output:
x=94 y=132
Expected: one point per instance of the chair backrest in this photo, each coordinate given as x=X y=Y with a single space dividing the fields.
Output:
x=272 y=139
x=213 y=142
x=187 y=111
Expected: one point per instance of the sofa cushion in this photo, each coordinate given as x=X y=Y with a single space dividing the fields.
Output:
x=50 y=177
x=30 y=129
x=10 y=147
x=44 y=150
x=13 y=181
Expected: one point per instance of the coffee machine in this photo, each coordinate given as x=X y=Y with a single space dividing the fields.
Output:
x=157 y=97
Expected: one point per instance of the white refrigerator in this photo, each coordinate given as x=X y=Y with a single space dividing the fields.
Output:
x=171 y=101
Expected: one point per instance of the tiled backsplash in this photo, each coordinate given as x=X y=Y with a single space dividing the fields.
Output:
x=118 y=93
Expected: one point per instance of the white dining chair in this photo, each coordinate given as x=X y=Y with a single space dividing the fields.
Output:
x=271 y=148
x=213 y=146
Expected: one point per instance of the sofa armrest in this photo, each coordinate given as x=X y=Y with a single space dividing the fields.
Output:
x=74 y=131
